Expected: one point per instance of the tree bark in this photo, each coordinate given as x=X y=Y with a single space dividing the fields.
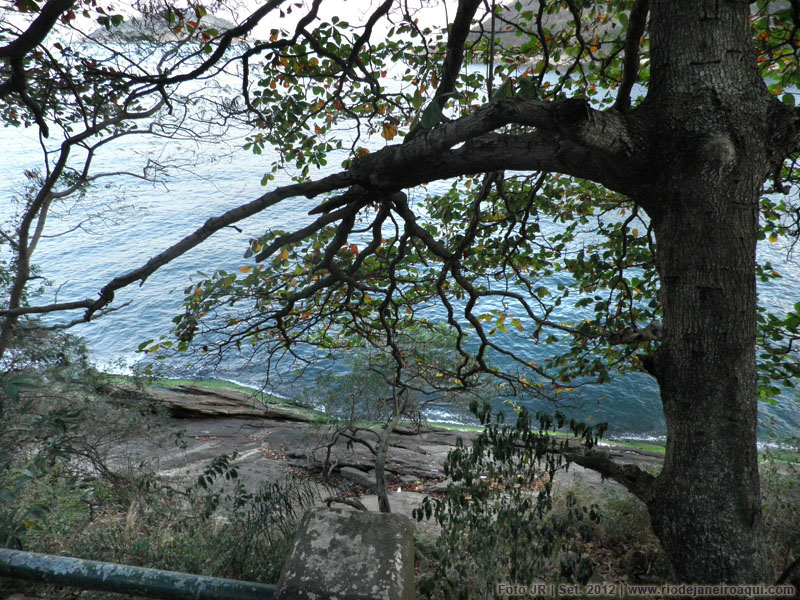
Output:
x=707 y=113
x=706 y=507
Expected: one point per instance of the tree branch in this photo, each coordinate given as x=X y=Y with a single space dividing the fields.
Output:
x=636 y=26
x=37 y=31
x=638 y=482
x=652 y=333
x=572 y=139
x=15 y=52
x=210 y=227
x=225 y=40
x=456 y=38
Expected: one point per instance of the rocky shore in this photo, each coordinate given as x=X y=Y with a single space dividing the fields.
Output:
x=272 y=443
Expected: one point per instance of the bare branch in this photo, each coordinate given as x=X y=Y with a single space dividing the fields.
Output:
x=210 y=227
x=100 y=313
x=45 y=308
x=225 y=41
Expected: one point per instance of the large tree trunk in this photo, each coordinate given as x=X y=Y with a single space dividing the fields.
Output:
x=706 y=508
x=707 y=120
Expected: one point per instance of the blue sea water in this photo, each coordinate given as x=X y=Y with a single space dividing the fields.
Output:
x=211 y=179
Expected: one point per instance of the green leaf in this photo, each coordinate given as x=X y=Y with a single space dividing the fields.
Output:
x=431 y=116
x=17 y=384
x=527 y=88
x=504 y=91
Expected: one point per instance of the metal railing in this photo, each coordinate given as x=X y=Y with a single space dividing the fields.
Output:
x=126 y=579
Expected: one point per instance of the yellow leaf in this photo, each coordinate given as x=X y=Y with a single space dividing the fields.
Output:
x=198 y=292
x=284 y=254
x=635 y=232
x=389 y=131
x=773 y=237
x=246 y=269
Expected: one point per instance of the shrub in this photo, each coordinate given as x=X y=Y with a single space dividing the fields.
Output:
x=498 y=519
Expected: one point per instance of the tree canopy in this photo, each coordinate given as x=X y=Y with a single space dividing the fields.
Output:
x=622 y=158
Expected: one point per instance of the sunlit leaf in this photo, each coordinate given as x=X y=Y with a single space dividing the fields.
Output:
x=389 y=131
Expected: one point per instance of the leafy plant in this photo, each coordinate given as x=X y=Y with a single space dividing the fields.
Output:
x=497 y=517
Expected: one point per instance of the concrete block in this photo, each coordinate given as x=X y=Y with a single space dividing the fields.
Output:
x=342 y=554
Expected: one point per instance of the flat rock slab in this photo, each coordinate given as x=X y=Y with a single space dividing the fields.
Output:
x=187 y=402
x=343 y=554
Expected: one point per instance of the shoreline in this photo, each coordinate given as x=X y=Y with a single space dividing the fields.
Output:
x=267 y=398
x=645 y=443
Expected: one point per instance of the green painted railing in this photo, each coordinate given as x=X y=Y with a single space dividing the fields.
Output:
x=125 y=579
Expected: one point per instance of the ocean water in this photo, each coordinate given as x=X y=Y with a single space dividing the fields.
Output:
x=212 y=178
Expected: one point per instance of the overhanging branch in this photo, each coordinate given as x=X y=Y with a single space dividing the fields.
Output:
x=570 y=138
x=638 y=482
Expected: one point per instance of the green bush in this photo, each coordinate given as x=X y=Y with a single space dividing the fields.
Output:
x=499 y=522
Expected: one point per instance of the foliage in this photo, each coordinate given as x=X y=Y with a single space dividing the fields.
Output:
x=583 y=184
x=39 y=421
x=58 y=493
x=504 y=253
x=360 y=382
x=780 y=490
x=219 y=530
x=497 y=517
